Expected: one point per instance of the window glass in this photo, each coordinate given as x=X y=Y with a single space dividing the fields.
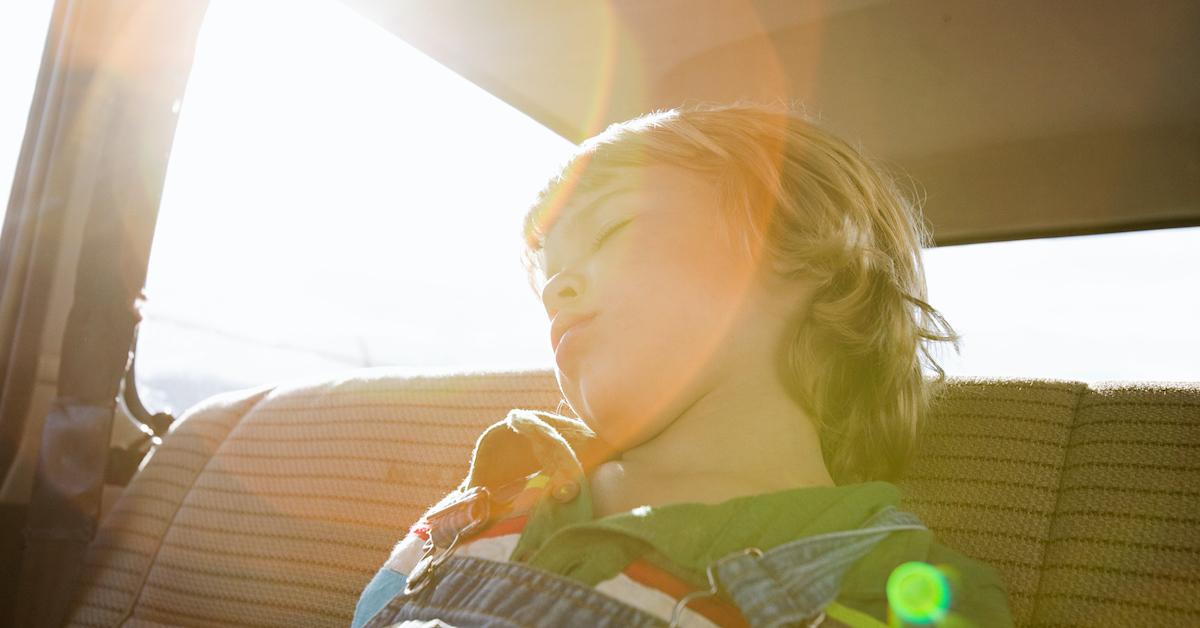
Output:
x=1092 y=308
x=336 y=200
x=23 y=27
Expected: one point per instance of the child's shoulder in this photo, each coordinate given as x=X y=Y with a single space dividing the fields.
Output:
x=948 y=581
x=981 y=593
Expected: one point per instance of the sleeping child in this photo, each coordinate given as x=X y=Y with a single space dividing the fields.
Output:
x=737 y=309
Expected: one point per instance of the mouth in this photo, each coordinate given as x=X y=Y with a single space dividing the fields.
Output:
x=560 y=330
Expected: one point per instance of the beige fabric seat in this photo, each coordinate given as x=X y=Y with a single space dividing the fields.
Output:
x=276 y=506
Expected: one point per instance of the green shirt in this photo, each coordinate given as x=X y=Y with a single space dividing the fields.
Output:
x=562 y=536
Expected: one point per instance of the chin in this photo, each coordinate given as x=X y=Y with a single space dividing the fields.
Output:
x=619 y=416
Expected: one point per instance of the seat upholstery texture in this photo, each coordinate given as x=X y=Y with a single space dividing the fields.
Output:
x=1124 y=547
x=275 y=506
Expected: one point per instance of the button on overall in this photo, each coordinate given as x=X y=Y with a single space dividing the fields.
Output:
x=565 y=492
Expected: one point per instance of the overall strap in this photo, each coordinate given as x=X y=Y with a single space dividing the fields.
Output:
x=796 y=582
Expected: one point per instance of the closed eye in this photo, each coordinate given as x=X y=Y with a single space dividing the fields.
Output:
x=608 y=232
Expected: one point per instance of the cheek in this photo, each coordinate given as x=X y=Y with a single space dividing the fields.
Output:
x=684 y=291
x=668 y=313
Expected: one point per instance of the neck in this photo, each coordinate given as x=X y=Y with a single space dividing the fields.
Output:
x=745 y=438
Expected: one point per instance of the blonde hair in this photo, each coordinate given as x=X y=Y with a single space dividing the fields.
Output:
x=813 y=207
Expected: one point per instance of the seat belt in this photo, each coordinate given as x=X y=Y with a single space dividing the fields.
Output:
x=123 y=462
x=117 y=113
x=70 y=472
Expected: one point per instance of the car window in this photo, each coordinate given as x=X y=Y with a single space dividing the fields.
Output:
x=1103 y=307
x=23 y=27
x=334 y=200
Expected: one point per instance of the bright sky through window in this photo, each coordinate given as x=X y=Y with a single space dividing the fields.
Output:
x=1122 y=306
x=23 y=27
x=336 y=199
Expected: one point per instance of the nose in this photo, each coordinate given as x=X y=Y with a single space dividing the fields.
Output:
x=563 y=290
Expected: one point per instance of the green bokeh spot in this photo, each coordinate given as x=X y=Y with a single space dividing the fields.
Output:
x=918 y=593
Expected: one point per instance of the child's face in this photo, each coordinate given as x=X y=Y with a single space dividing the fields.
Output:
x=677 y=310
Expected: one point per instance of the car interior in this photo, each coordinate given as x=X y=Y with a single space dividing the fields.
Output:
x=274 y=504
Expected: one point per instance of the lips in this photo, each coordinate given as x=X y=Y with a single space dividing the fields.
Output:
x=563 y=323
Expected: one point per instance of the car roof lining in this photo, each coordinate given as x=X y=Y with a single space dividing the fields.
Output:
x=957 y=95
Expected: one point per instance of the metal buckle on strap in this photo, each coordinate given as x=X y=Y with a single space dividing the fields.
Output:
x=447 y=525
x=714 y=588
x=422 y=573
x=714 y=583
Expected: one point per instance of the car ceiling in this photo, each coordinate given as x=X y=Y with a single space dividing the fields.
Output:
x=1016 y=119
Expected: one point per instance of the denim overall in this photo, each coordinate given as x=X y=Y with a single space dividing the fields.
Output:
x=792 y=584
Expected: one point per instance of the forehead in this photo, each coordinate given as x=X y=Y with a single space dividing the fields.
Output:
x=591 y=195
